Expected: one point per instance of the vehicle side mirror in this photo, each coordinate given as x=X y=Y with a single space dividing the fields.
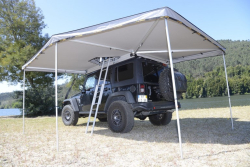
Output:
x=83 y=90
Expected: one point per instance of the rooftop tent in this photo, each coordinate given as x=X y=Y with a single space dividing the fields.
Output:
x=161 y=35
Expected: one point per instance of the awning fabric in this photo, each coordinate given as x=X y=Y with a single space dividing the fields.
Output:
x=141 y=34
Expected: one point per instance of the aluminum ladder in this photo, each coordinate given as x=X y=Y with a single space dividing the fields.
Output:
x=97 y=98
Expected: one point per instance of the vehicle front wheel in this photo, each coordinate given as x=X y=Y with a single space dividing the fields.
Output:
x=120 y=117
x=161 y=119
x=69 y=117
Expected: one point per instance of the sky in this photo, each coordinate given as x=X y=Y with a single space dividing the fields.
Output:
x=220 y=19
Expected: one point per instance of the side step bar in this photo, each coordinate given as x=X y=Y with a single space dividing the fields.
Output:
x=87 y=112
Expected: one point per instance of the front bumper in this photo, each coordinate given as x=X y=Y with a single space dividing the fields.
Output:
x=154 y=106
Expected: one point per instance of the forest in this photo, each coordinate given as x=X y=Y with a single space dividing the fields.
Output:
x=206 y=77
x=214 y=83
x=237 y=53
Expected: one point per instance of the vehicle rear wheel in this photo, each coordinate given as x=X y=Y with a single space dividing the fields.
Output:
x=161 y=119
x=69 y=117
x=120 y=117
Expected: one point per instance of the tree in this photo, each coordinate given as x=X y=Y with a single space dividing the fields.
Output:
x=76 y=80
x=21 y=25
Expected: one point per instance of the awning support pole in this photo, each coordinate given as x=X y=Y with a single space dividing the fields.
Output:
x=23 y=99
x=56 y=103
x=228 y=92
x=174 y=86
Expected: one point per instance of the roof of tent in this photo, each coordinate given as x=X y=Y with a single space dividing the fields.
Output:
x=143 y=34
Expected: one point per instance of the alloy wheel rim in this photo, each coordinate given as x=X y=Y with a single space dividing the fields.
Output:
x=67 y=115
x=116 y=117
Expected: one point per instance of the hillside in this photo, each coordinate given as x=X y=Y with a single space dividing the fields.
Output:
x=237 y=53
x=6 y=100
x=5 y=96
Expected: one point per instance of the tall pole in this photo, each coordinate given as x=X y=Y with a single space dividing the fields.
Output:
x=228 y=92
x=56 y=103
x=174 y=86
x=23 y=99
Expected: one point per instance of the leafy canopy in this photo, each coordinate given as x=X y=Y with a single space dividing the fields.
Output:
x=21 y=25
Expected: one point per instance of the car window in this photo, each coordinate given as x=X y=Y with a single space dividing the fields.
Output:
x=90 y=83
x=151 y=72
x=124 y=72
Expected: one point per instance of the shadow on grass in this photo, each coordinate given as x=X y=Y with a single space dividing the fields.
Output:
x=193 y=130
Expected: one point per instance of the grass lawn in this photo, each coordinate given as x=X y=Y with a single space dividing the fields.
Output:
x=206 y=135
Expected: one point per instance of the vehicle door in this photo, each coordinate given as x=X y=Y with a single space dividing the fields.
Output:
x=88 y=92
x=107 y=90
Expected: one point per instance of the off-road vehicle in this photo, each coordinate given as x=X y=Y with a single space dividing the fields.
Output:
x=137 y=87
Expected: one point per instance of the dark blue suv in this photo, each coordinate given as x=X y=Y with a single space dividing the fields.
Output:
x=137 y=87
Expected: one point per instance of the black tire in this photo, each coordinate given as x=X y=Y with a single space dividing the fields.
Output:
x=161 y=119
x=69 y=117
x=102 y=119
x=166 y=86
x=120 y=117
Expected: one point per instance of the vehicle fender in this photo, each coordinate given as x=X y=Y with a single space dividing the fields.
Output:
x=123 y=95
x=72 y=102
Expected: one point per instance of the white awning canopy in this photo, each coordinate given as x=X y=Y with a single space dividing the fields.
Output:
x=141 y=34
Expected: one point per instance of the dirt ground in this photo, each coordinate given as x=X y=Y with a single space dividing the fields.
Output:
x=206 y=135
